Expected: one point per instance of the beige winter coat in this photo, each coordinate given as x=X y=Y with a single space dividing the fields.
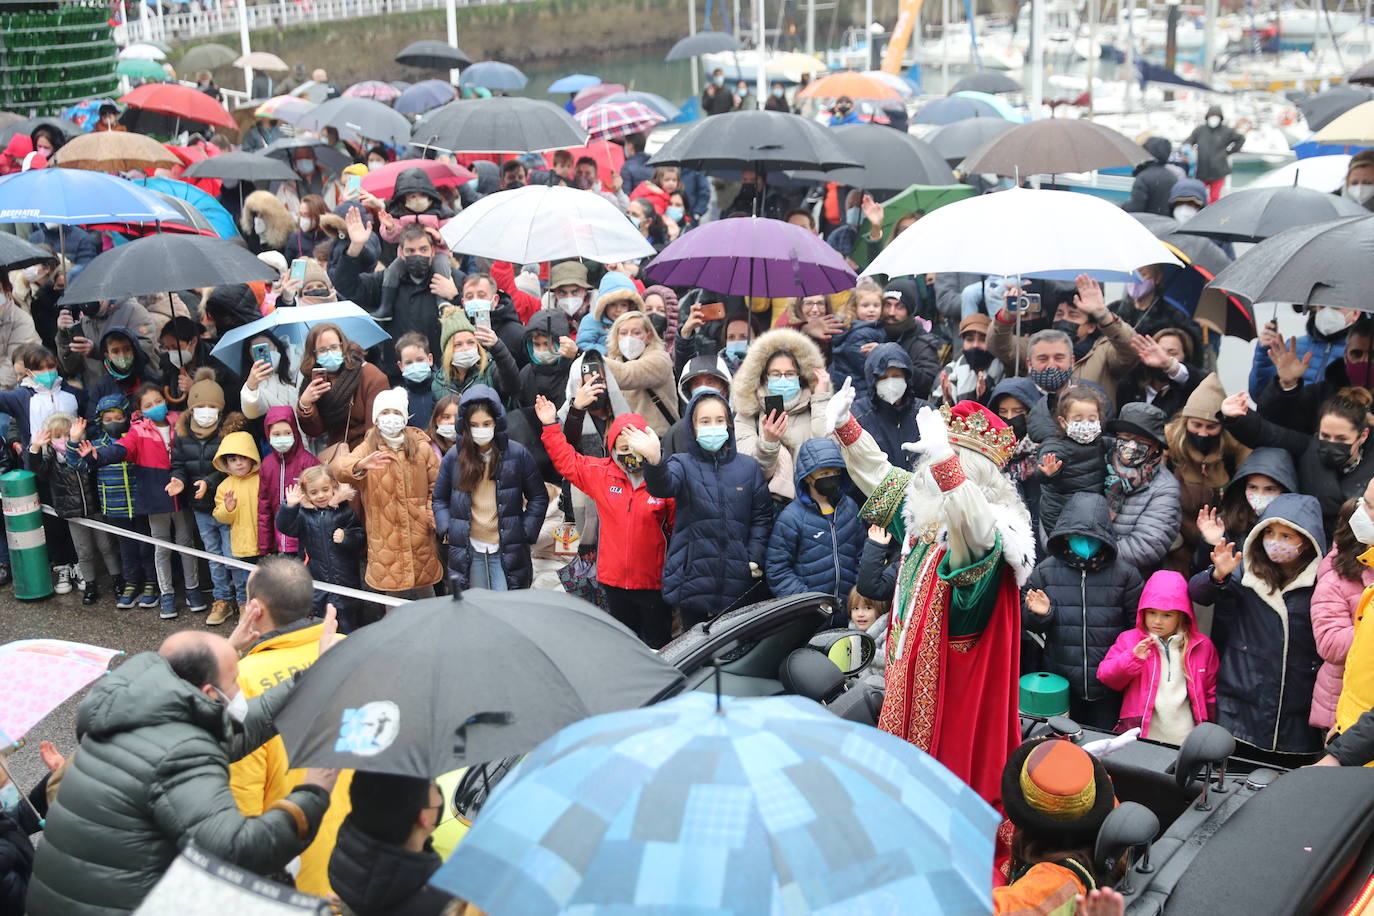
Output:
x=644 y=378
x=280 y=223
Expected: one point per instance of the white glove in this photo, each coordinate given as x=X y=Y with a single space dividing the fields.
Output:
x=755 y=571
x=934 y=441
x=837 y=408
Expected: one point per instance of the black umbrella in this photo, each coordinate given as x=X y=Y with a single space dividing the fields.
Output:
x=1160 y=226
x=331 y=161
x=356 y=118
x=701 y=43
x=1253 y=214
x=1321 y=108
x=892 y=160
x=16 y=253
x=163 y=262
x=768 y=140
x=1321 y=264
x=432 y=54
x=505 y=124
x=26 y=127
x=955 y=141
x=445 y=683
x=1201 y=252
x=1363 y=76
x=989 y=81
x=242 y=167
x=1054 y=146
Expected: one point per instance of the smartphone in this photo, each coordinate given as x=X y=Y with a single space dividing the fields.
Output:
x=713 y=311
x=353 y=185
x=772 y=403
x=482 y=319
x=262 y=353
x=319 y=372
x=298 y=268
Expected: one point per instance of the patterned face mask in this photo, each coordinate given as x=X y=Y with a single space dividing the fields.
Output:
x=1280 y=551
x=1132 y=454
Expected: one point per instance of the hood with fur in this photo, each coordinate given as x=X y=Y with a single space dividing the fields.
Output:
x=744 y=392
x=280 y=225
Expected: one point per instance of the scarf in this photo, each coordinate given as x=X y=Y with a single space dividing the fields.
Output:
x=1122 y=481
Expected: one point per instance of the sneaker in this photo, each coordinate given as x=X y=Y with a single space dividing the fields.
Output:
x=63 y=585
x=117 y=583
x=149 y=598
x=78 y=580
x=168 y=611
x=195 y=601
x=222 y=610
x=128 y=597
x=90 y=593
x=6 y=576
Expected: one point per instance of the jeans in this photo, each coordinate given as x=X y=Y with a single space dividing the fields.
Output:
x=162 y=526
x=487 y=571
x=215 y=537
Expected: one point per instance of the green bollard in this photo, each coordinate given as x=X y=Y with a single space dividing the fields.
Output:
x=1042 y=694
x=24 y=532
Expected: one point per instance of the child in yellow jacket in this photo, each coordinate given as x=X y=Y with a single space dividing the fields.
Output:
x=236 y=501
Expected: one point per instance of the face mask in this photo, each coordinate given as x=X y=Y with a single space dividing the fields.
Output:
x=447 y=430
x=180 y=358
x=482 y=434
x=123 y=362
x=330 y=362
x=466 y=359
x=544 y=357
x=9 y=797
x=1360 y=193
x=890 y=389
x=306 y=223
x=789 y=388
x=777 y=92
x=712 y=438
x=1083 y=546
x=1205 y=445
x=46 y=379
x=1260 y=501
x=1068 y=327
x=743 y=91
x=1214 y=122
x=473 y=306
x=1132 y=454
x=31 y=272
x=417 y=204
x=1050 y=379
x=853 y=215
x=841 y=110
x=978 y=360
x=205 y=416
x=259 y=225
x=718 y=80
x=306 y=167
x=631 y=347
x=630 y=462
x=1361 y=374
x=156 y=414
x=416 y=372
x=1280 y=551
x=829 y=488
x=736 y=348
x=570 y=304
x=1333 y=455
x=1140 y=289
x=702 y=388
x=1018 y=426
x=237 y=708
x=1360 y=524
x=1184 y=212
x=374 y=166
x=281 y=443
x=391 y=424
x=1329 y=322
x=673 y=213
x=115 y=429
x=1083 y=431
x=417 y=267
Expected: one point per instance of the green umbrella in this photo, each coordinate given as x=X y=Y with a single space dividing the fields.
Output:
x=917 y=198
x=141 y=69
x=207 y=57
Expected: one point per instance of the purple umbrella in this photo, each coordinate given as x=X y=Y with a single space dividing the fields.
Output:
x=752 y=256
x=372 y=89
x=423 y=96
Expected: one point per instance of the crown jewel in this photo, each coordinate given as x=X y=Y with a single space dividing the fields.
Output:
x=973 y=426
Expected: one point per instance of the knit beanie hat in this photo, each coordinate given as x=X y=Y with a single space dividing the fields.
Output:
x=528 y=283
x=1056 y=792
x=392 y=399
x=1205 y=401
x=205 y=391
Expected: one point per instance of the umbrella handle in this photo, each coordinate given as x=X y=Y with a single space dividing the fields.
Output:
x=23 y=796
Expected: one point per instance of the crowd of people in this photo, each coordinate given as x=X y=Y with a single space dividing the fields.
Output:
x=1179 y=553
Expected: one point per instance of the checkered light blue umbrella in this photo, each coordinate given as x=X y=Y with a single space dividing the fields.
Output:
x=770 y=806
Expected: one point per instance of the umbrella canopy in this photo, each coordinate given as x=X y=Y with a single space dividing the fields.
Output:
x=1253 y=214
x=331 y=161
x=1320 y=173
x=1321 y=108
x=372 y=89
x=39 y=675
x=293 y=324
x=189 y=220
x=432 y=54
x=28 y=125
x=955 y=108
x=1353 y=128
x=989 y=81
x=15 y=253
x=381 y=182
x=493 y=74
x=658 y=103
x=499 y=125
x=115 y=151
x=424 y=96
x=179 y=101
x=242 y=167
x=1054 y=145
x=921 y=199
x=987 y=235
x=701 y=43
x=699 y=805
x=356 y=119
x=545 y=223
x=75 y=197
x=574 y=82
x=159 y=263
x=852 y=84
x=139 y=68
x=1320 y=264
x=262 y=60
x=207 y=57
x=392 y=698
x=892 y=160
x=955 y=141
x=8 y=117
x=286 y=108
x=141 y=51
x=1363 y=76
x=772 y=140
x=206 y=204
x=609 y=120
x=609 y=158
x=589 y=96
x=752 y=256
x=199 y=884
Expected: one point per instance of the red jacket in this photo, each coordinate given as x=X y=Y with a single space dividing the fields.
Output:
x=525 y=305
x=634 y=525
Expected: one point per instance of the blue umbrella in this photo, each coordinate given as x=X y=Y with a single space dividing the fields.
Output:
x=74 y=197
x=291 y=325
x=955 y=108
x=657 y=102
x=574 y=82
x=493 y=74
x=759 y=806
x=423 y=96
x=1000 y=105
x=219 y=218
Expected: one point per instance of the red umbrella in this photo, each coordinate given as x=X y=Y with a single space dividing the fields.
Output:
x=382 y=182
x=609 y=158
x=593 y=94
x=180 y=101
x=196 y=152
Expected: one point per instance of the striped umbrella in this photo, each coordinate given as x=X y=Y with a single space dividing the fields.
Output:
x=610 y=120
x=284 y=108
x=372 y=89
x=589 y=96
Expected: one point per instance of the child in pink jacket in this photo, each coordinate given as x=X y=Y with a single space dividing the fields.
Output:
x=1334 y=600
x=1165 y=668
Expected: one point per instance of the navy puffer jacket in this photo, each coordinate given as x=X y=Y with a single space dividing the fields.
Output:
x=811 y=552
x=334 y=563
x=521 y=498
x=890 y=425
x=724 y=513
x=1091 y=601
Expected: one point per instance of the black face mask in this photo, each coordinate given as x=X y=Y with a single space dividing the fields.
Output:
x=1068 y=327
x=630 y=462
x=115 y=430
x=1205 y=445
x=1018 y=426
x=418 y=267
x=1333 y=455
x=978 y=360
x=829 y=488
x=660 y=323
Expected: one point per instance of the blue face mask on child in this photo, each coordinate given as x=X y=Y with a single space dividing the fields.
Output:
x=1084 y=546
x=157 y=414
x=712 y=438
x=788 y=388
x=46 y=379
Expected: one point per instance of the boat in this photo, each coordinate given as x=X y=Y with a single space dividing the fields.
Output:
x=783 y=66
x=994 y=52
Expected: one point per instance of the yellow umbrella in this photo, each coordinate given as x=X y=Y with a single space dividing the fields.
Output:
x=1354 y=128
x=114 y=151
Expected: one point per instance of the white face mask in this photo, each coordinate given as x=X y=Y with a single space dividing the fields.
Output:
x=259 y=225
x=391 y=424
x=305 y=223
x=890 y=389
x=205 y=417
x=31 y=272
x=181 y=358
x=237 y=708
x=1214 y=122
x=1360 y=193
x=1361 y=525
x=571 y=304
x=631 y=347
x=1184 y=212
x=1329 y=321
x=448 y=430
x=466 y=359
x=482 y=434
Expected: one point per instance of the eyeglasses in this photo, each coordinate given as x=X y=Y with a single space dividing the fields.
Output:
x=782 y=375
x=333 y=348
x=813 y=308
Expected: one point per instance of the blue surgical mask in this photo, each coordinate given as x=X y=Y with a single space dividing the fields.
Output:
x=853 y=215
x=1084 y=546
x=700 y=389
x=673 y=213
x=9 y=797
x=416 y=372
x=712 y=438
x=46 y=378
x=331 y=361
x=474 y=306
x=156 y=414
x=718 y=80
x=736 y=348
x=777 y=92
x=788 y=388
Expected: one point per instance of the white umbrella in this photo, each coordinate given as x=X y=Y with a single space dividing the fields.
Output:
x=1320 y=173
x=262 y=60
x=1054 y=235
x=545 y=223
x=142 y=52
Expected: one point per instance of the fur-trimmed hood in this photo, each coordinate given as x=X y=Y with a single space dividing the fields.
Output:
x=617 y=295
x=280 y=225
x=613 y=336
x=745 y=390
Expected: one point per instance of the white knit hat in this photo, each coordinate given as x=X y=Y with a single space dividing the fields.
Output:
x=395 y=399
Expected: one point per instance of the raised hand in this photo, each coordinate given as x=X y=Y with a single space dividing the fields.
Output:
x=545 y=410
x=1037 y=601
x=377 y=460
x=294 y=495
x=934 y=437
x=246 y=630
x=1150 y=353
x=1237 y=405
x=1142 y=648
x=1050 y=464
x=872 y=211
x=1289 y=366
x=820 y=381
x=1225 y=559
x=879 y=535
x=645 y=444
x=837 y=408
x=1089 y=296
x=358 y=233
x=231 y=501
x=1210 y=526
x=775 y=425
x=176 y=485
x=78 y=430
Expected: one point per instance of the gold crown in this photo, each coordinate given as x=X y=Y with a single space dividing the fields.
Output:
x=970 y=426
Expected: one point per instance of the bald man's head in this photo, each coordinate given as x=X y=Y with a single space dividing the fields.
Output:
x=205 y=661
